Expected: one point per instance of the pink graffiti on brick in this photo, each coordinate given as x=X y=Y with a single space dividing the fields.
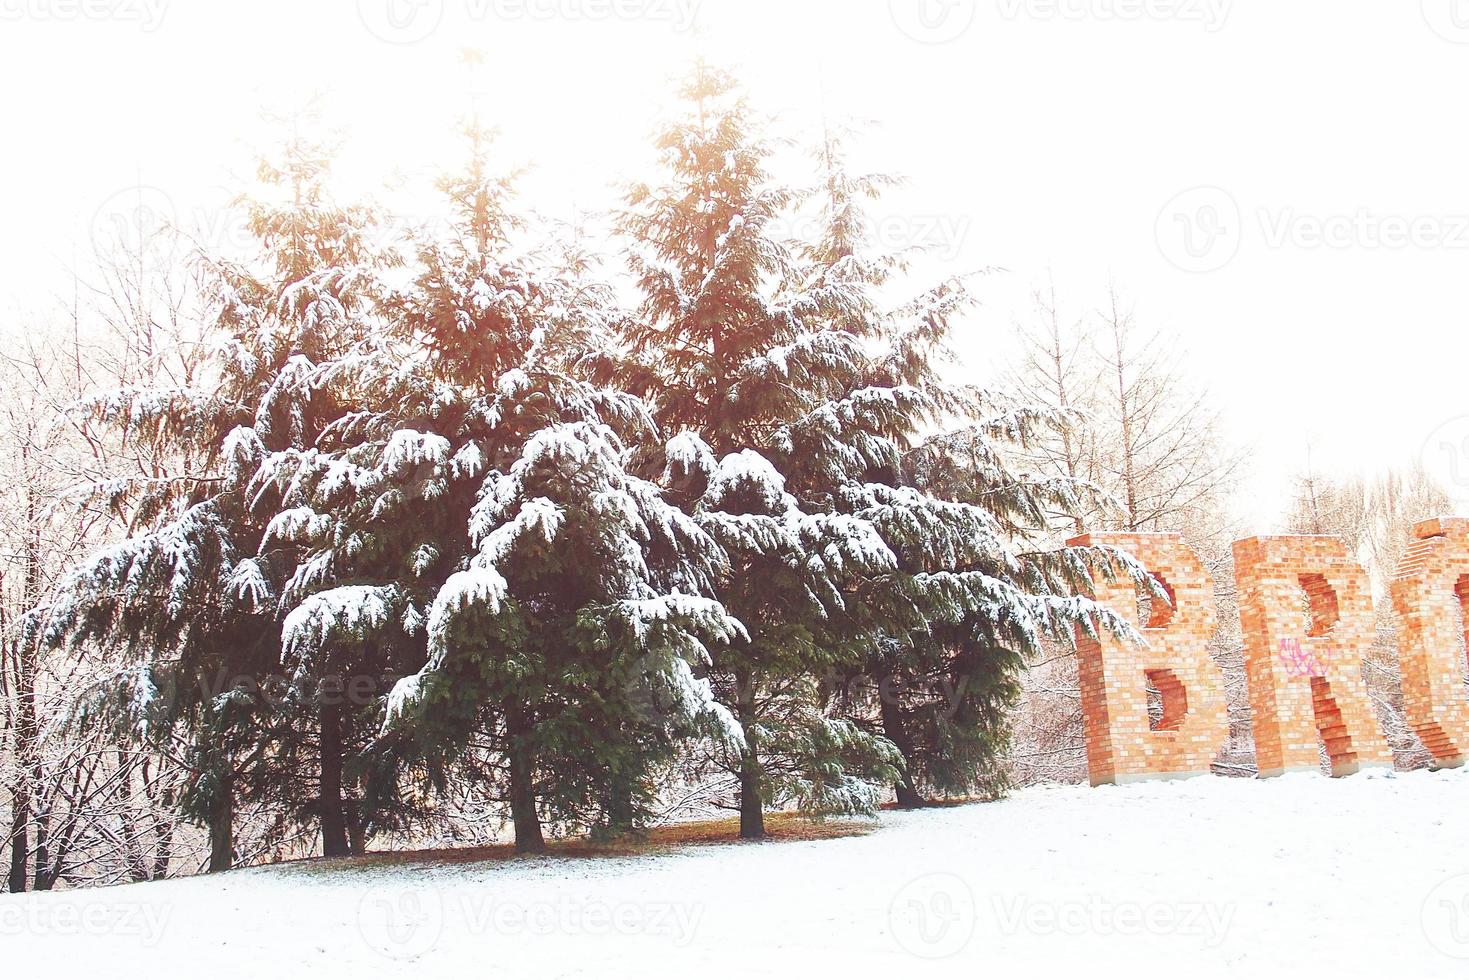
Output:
x=1300 y=662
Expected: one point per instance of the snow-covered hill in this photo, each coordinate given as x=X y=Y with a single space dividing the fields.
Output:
x=1301 y=876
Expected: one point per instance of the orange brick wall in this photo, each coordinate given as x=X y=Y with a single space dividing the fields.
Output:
x=1304 y=665
x=1430 y=590
x=1120 y=746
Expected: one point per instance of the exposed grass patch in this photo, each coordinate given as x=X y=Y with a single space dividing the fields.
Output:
x=779 y=827
x=937 y=804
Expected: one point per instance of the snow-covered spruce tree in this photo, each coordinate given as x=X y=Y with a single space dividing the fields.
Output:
x=927 y=463
x=729 y=346
x=801 y=409
x=475 y=507
x=192 y=600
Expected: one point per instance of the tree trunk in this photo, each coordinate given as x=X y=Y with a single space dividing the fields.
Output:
x=333 y=822
x=752 y=806
x=131 y=836
x=28 y=775
x=356 y=831
x=527 y=822
x=1125 y=415
x=895 y=727
x=222 y=827
x=27 y=734
x=43 y=879
x=162 y=826
x=20 y=819
x=621 y=814
x=164 y=853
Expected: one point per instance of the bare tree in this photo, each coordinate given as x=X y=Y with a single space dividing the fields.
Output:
x=1160 y=450
x=81 y=808
x=1055 y=371
x=1148 y=439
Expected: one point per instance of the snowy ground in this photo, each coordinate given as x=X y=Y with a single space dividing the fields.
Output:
x=1300 y=876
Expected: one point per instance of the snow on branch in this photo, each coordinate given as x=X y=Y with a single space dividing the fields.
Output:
x=174 y=562
x=479 y=587
x=748 y=470
x=687 y=454
x=539 y=517
x=347 y=613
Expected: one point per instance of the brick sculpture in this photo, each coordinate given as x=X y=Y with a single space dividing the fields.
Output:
x=1430 y=597
x=1306 y=613
x=1122 y=745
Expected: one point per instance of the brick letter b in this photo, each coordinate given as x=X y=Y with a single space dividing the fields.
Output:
x=1122 y=743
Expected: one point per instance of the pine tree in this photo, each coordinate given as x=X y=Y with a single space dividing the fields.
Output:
x=930 y=464
x=730 y=346
x=190 y=604
x=475 y=511
x=800 y=406
x=485 y=525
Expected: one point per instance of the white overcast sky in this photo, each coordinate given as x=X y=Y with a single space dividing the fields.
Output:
x=1284 y=186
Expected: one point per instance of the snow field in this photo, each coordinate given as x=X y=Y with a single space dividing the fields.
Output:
x=1298 y=876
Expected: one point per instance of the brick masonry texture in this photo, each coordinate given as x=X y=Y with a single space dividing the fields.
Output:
x=1307 y=620
x=1306 y=615
x=1430 y=597
x=1121 y=745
